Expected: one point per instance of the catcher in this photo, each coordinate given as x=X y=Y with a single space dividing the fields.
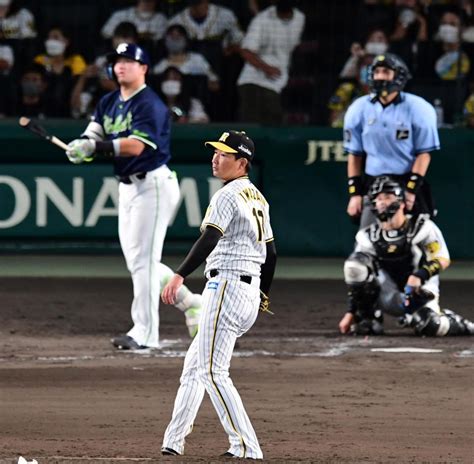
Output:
x=395 y=269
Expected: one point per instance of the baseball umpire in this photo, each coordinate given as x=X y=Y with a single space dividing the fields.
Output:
x=395 y=269
x=237 y=244
x=389 y=132
x=131 y=127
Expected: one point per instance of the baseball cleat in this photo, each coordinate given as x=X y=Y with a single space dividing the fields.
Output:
x=169 y=452
x=228 y=454
x=192 y=320
x=125 y=342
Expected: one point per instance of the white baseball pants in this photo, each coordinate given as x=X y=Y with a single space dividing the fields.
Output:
x=230 y=308
x=145 y=209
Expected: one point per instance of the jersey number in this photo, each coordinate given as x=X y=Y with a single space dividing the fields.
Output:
x=258 y=213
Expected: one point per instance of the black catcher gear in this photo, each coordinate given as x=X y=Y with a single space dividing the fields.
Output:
x=397 y=84
x=385 y=184
x=427 y=322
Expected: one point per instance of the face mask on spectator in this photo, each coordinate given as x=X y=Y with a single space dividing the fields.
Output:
x=31 y=88
x=406 y=17
x=448 y=33
x=375 y=48
x=171 y=88
x=175 y=45
x=54 y=47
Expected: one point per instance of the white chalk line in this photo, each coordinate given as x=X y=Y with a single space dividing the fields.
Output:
x=82 y=459
x=315 y=347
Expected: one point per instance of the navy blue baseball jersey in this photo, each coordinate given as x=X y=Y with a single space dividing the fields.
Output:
x=391 y=137
x=144 y=117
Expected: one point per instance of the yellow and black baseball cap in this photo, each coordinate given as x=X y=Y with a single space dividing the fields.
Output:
x=238 y=143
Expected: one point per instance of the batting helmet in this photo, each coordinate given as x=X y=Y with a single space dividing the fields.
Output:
x=126 y=50
x=385 y=184
x=397 y=84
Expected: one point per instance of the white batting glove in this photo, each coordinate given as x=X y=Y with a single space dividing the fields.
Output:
x=81 y=150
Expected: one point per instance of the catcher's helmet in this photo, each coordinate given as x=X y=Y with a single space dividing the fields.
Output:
x=132 y=51
x=397 y=84
x=385 y=184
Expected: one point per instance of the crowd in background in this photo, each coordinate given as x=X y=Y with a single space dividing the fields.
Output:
x=259 y=61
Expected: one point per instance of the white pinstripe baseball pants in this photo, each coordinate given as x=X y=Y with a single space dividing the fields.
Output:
x=230 y=308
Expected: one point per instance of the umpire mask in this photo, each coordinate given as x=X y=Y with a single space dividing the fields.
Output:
x=383 y=87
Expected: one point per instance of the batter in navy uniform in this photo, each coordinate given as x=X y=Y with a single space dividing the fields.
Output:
x=132 y=127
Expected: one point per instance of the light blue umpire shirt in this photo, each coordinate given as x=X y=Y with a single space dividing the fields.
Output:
x=390 y=137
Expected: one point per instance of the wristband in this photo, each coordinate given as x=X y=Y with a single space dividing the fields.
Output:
x=105 y=148
x=422 y=274
x=415 y=181
x=428 y=270
x=354 y=185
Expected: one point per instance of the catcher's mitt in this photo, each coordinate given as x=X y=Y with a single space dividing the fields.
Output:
x=416 y=298
x=264 y=303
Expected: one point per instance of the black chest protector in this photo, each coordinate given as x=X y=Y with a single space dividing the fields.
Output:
x=394 y=250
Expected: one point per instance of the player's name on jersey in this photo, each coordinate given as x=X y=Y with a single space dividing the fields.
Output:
x=325 y=151
x=250 y=193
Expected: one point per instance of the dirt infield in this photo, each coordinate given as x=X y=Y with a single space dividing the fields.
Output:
x=314 y=396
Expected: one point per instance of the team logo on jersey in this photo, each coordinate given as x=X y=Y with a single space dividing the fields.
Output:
x=121 y=123
x=392 y=249
x=402 y=134
x=433 y=247
x=212 y=285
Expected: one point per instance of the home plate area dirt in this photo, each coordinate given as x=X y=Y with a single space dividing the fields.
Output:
x=67 y=396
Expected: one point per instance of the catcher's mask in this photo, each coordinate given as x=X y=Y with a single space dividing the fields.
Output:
x=381 y=87
x=386 y=184
x=132 y=51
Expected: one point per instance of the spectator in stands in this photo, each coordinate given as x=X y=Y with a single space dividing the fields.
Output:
x=175 y=93
x=178 y=56
x=449 y=34
x=205 y=21
x=33 y=101
x=95 y=81
x=376 y=44
x=266 y=49
x=17 y=30
x=355 y=75
x=409 y=32
x=371 y=14
x=7 y=60
x=468 y=13
x=150 y=23
x=62 y=68
x=16 y=22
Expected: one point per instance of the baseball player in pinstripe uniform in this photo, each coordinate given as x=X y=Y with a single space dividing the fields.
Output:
x=237 y=243
x=395 y=269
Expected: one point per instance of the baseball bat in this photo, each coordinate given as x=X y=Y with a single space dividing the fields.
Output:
x=38 y=129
